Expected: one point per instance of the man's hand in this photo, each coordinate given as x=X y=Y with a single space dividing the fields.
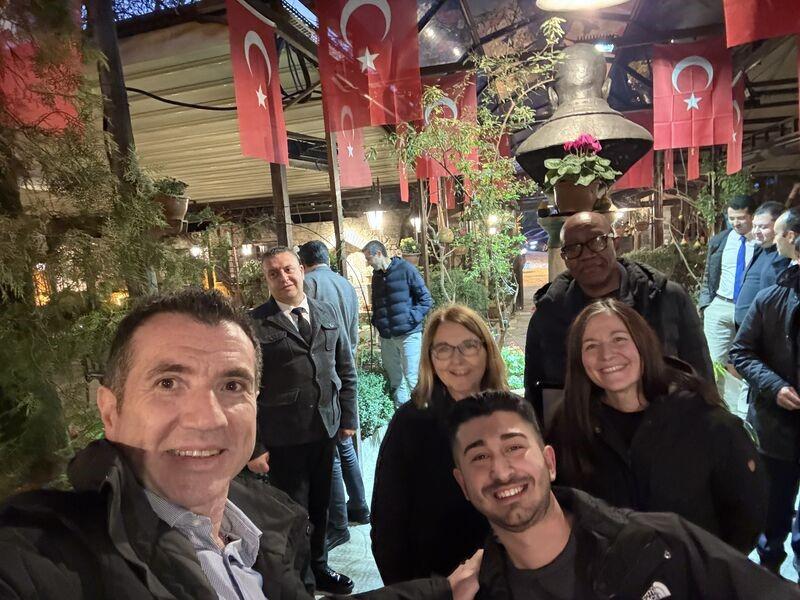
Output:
x=346 y=433
x=787 y=398
x=464 y=580
x=260 y=464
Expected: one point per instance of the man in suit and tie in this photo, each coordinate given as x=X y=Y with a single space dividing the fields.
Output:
x=306 y=402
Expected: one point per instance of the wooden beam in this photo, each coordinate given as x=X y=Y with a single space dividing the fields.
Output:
x=336 y=204
x=280 y=200
x=295 y=37
x=423 y=237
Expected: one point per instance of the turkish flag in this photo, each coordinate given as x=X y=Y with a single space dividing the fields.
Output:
x=459 y=101
x=401 y=171
x=354 y=169
x=640 y=175
x=735 y=145
x=369 y=59
x=33 y=94
x=669 y=170
x=751 y=20
x=691 y=95
x=256 y=81
x=693 y=168
x=433 y=190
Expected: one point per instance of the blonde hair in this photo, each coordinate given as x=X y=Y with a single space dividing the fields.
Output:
x=495 y=376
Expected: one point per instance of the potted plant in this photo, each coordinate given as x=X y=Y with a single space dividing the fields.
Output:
x=575 y=179
x=410 y=250
x=171 y=194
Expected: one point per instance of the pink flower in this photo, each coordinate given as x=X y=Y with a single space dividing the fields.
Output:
x=584 y=143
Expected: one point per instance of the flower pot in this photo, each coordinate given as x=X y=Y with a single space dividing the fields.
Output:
x=412 y=257
x=571 y=198
x=175 y=207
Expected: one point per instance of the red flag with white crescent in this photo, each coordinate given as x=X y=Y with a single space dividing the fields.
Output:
x=751 y=20
x=256 y=81
x=459 y=101
x=669 y=170
x=693 y=166
x=691 y=95
x=370 y=48
x=640 y=175
x=354 y=171
x=735 y=145
x=401 y=171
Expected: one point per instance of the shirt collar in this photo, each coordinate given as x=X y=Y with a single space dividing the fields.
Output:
x=235 y=526
x=287 y=308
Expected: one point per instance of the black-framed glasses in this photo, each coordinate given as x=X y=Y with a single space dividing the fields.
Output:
x=443 y=350
x=596 y=244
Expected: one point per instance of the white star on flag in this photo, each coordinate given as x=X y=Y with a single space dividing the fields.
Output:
x=693 y=102
x=350 y=150
x=367 y=60
x=261 y=97
x=734 y=136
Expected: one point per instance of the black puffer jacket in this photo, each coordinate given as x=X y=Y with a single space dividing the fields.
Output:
x=765 y=353
x=663 y=303
x=421 y=522
x=686 y=457
x=400 y=299
x=628 y=555
x=103 y=541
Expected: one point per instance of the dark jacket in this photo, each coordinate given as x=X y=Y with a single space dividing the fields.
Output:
x=400 y=299
x=307 y=393
x=713 y=270
x=686 y=457
x=103 y=541
x=663 y=303
x=627 y=555
x=761 y=273
x=765 y=353
x=421 y=522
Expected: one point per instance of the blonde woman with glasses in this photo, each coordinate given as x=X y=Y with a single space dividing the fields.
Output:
x=421 y=523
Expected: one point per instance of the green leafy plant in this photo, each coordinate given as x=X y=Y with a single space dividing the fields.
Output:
x=409 y=245
x=514 y=358
x=581 y=166
x=169 y=186
x=375 y=405
x=459 y=287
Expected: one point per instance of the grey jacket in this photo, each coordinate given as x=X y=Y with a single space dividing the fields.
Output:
x=713 y=270
x=307 y=392
x=328 y=286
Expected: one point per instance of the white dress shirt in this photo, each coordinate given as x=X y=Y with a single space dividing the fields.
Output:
x=287 y=309
x=730 y=254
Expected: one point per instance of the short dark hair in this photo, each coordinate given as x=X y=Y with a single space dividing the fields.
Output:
x=773 y=209
x=743 y=202
x=314 y=253
x=275 y=250
x=793 y=220
x=373 y=247
x=208 y=307
x=488 y=403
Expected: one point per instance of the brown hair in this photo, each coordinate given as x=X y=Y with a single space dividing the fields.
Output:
x=575 y=428
x=495 y=376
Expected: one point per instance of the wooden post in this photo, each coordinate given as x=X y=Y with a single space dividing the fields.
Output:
x=658 y=208
x=280 y=200
x=336 y=204
x=423 y=220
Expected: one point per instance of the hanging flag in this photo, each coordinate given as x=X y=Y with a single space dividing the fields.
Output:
x=256 y=81
x=354 y=171
x=735 y=145
x=368 y=49
x=450 y=192
x=640 y=175
x=693 y=166
x=459 y=101
x=691 y=95
x=751 y=20
x=433 y=190
x=401 y=170
x=669 y=170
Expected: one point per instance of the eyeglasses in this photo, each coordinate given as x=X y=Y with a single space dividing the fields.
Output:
x=444 y=350
x=596 y=244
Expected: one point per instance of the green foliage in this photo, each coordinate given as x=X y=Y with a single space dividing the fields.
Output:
x=579 y=169
x=170 y=186
x=375 y=405
x=668 y=260
x=251 y=283
x=514 y=358
x=456 y=285
x=719 y=188
x=409 y=246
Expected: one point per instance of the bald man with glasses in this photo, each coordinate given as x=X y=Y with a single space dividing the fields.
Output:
x=594 y=271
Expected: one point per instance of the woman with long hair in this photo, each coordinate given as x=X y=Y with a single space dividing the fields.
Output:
x=645 y=432
x=421 y=523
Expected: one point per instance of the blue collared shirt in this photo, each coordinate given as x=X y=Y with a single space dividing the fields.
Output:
x=230 y=569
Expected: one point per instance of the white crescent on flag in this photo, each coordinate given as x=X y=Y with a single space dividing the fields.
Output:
x=446 y=102
x=692 y=61
x=253 y=39
x=352 y=5
x=738 y=113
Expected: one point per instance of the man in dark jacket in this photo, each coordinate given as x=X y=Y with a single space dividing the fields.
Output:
x=308 y=399
x=595 y=272
x=561 y=543
x=400 y=302
x=765 y=352
x=155 y=511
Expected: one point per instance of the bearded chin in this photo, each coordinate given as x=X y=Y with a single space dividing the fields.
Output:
x=521 y=519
